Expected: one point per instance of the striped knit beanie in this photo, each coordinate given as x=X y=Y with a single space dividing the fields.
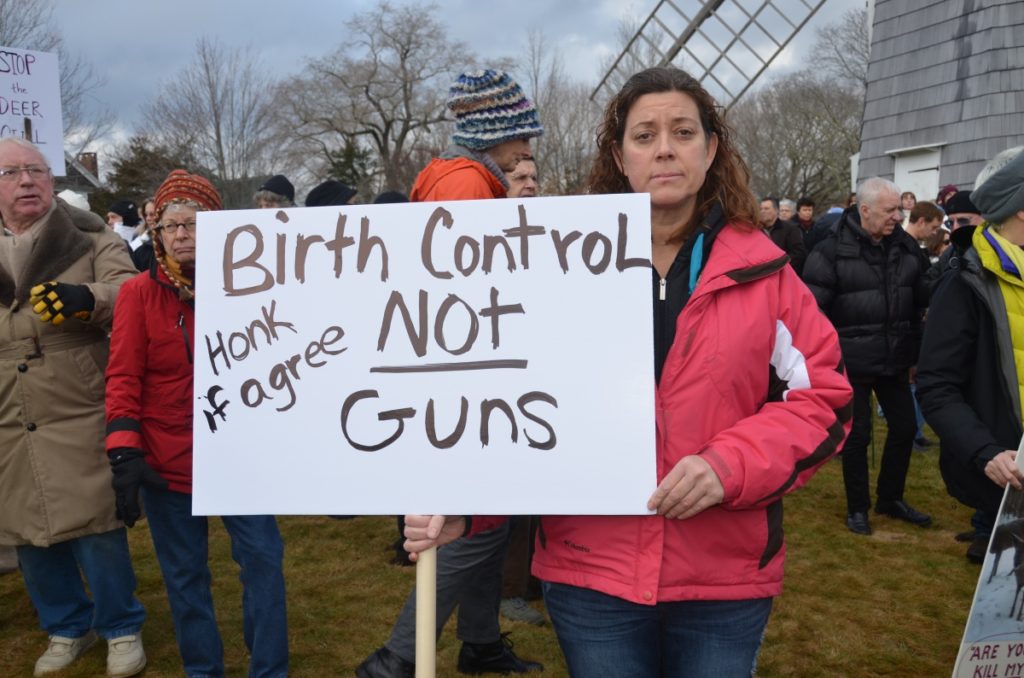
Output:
x=182 y=187
x=490 y=108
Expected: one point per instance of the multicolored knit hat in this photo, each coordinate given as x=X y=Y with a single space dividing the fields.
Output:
x=180 y=186
x=490 y=108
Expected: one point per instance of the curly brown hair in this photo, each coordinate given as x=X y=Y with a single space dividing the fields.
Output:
x=728 y=177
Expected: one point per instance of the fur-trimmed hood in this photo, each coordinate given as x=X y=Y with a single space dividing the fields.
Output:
x=62 y=241
x=54 y=474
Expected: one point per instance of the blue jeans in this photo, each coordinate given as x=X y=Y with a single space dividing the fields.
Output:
x=54 y=584
x=181 y=543
x=602 y=635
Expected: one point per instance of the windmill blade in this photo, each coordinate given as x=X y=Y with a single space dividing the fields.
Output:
x=725 y=44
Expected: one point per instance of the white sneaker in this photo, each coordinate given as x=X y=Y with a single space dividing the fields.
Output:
x=63 y=652
x=125 y=656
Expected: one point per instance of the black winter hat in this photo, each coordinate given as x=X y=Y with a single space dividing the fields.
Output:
x=961 y=203
x=389 y=197
x=330 y=192
x=279 y=184
x=128 y=211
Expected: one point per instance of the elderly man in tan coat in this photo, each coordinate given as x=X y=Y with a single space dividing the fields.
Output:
x=60 y=269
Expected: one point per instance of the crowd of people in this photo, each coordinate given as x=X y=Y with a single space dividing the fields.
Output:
x=877 y=268
x=772 y=330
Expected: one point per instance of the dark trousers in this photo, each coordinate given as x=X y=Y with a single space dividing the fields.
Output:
x=468 y=576
x=894 y=396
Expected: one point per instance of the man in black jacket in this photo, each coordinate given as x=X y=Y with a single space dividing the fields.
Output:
x=785 y=234
x=868 y=277
x=970 y=384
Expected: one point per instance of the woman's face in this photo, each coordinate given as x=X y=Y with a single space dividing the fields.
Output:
x=178 y=234
x=664 y=151
x=149 y=214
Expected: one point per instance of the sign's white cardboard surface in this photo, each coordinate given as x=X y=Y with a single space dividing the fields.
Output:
x=361 y=359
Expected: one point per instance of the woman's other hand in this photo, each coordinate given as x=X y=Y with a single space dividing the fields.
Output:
x=689 y=488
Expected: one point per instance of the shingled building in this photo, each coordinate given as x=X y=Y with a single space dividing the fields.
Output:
x=945 y=90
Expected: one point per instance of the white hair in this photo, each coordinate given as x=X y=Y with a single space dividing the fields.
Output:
x=23 y=143
x=870 y=189
x=276 y=198
x=788 y=203
x=997 y=163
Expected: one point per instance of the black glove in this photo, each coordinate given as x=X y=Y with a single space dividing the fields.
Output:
x=56 y=301
x=130 y=473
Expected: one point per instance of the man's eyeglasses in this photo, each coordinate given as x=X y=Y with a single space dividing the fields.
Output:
x=34 y=172
x=172 y=229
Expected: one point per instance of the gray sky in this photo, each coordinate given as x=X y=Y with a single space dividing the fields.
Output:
x=139 y=45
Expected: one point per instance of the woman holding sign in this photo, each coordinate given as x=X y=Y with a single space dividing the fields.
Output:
x=751 y=400
x=149 y=442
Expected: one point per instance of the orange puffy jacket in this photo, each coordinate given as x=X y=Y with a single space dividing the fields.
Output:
x=455 y=179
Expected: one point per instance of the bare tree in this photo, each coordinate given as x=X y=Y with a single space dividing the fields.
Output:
x=798 y=132
x=219 y=107
x=28 y=24
x=564 y=152
x=797 y=136
x=843 y=49
x=638 y=50
x=384 y=90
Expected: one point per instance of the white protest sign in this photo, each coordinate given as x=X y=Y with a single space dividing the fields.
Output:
x=475 y=357
x=993 y=642
x=30 y=102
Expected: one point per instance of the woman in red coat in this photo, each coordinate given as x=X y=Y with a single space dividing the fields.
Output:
x=149 y=441
x=751 y=399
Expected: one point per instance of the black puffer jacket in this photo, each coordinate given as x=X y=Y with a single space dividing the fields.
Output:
x=874 y=293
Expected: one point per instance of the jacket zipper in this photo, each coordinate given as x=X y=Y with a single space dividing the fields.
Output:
x=184 y=333
x=661 y=289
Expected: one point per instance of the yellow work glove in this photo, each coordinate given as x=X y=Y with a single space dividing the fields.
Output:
x=55 y=301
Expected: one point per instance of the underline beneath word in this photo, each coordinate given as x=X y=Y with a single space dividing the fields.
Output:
x=453 y=367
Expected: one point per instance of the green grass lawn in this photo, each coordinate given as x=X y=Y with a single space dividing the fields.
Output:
x=892 y=604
